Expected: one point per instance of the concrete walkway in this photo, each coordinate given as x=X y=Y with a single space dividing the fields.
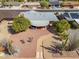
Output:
x=40 y=50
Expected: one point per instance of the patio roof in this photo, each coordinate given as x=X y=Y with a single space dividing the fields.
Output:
x=40 y=18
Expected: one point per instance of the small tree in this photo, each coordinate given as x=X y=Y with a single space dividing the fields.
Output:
x=20 y=23
x=62 y=26
x=44 y=4
x=10 y=48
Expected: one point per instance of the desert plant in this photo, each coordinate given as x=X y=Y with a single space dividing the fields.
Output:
x=61 y=26
x=64 y=35
x=20 y=23
x=69 y=45
x=44 y=4
x=10 y=48
x=7 y=47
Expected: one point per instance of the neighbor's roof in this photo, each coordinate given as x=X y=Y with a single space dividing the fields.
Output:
x=40 y=18
x=54 y=2
x=71 y=16
x=31 y=3
x=13 y=3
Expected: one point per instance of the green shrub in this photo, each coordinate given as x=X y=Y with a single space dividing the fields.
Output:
x=20 y=23
x=64 y=35
x=44 y=4
x=11 y=49
x=61 y=25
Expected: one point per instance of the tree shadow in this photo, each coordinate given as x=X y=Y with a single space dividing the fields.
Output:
x=54 y=49
x=10 y=30
x=8 y=19
x=57 y=38
x=52 y=30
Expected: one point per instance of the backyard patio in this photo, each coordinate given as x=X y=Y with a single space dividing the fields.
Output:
x=21 y=41
x=29 y=42
x=25 y=42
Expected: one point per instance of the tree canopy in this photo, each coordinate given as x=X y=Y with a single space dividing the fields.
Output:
x=20 y=23
x=62 y=25
x=44 y=4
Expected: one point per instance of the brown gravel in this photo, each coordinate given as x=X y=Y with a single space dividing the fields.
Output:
x=28 y=49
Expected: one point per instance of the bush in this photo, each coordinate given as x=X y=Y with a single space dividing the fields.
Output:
x=61 y=25
x=20 y=23
x=44 y=4
x=63 y=35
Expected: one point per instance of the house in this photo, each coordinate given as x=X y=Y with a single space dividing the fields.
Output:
x=31 y=4
x=72 y=16
x=54 y=3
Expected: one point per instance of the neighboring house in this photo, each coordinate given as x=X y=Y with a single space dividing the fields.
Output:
x=13 y=3
x=54 y=3
x=72 y=16
x=71 y=3
x=31 y=4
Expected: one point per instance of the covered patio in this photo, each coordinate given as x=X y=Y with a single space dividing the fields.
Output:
x=40 y=19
